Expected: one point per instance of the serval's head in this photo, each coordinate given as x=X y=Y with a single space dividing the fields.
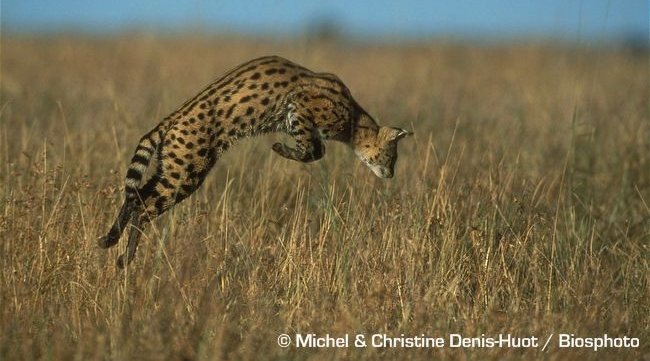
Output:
x=377 y=148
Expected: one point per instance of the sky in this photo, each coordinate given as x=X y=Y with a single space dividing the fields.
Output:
x=573 y=20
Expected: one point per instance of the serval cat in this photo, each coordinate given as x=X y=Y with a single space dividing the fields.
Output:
x=269 y=94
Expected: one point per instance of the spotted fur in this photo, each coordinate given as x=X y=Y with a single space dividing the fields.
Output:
x=269 y=94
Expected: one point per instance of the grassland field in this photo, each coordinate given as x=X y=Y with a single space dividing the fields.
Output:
x=520 y=206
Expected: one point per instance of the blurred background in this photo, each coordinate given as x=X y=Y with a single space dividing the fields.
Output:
x=519 y=206
x=592 y=21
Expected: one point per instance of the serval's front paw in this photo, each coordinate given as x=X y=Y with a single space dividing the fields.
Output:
x=300 y=156
x=284 y=151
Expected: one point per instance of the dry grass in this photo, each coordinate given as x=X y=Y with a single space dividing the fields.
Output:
x=522 y=205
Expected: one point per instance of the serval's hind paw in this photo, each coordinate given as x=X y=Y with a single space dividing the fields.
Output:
x=123 y=261
x=107 y=241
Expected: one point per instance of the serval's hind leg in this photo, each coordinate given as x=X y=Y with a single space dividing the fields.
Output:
x=169 y=186
x=144 y=153
x=113 y=235
x=134 y=238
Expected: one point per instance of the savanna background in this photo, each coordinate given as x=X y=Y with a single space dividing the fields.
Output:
x=521 y=205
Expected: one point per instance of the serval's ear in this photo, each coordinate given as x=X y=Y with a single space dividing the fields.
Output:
x=398 y=133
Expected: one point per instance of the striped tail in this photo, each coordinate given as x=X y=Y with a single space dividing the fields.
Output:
x=140 y=162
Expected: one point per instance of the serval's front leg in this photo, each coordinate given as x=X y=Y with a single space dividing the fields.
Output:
x=309 y=146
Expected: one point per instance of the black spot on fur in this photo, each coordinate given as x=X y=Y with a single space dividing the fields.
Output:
x=133 y=174
x=165 y=183
x=160 y=204
x=137 y=158
x=246 y=70
x=230 y=110
x=142 y=147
